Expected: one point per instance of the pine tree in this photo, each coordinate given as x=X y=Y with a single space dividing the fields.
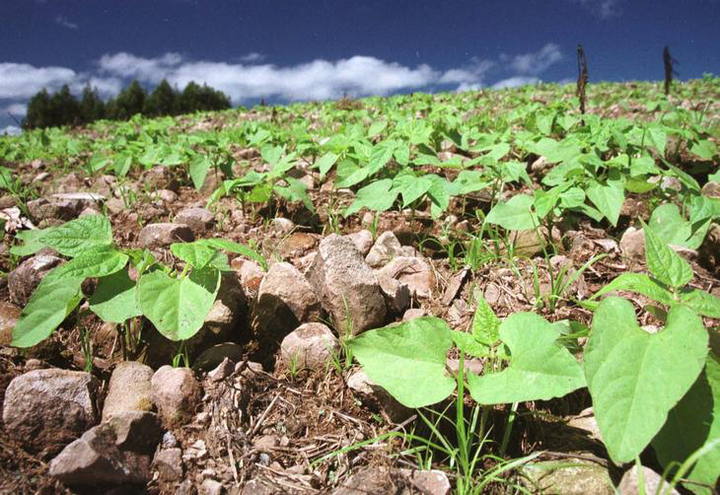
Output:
x=129 y=102
x=37 y=111
x=92 y=107
x=162 y=101
x=64 y=108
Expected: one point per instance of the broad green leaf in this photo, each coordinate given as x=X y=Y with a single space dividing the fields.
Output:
x=704 y=148
x=376 y=128
x=325 y=162
x=197 y=254
x=608 y=198
x=237 y=248
x=658 y=138
x=667 y=223
x=296 y=191
x=31 y=242
x=95 y=262
x=198 y=170
x=515 y=214
x=636 y=378
x=411 y=187
x=701 y=302
x=640 y=283
x=49 y=305
x=114 y=298
x=540 y=367
x=375 y=196
x=485 y=324
x=665 y=264
x=408 y=360
x=692 y=423
x=178 y=306
x=467 y=344
x=76 y=236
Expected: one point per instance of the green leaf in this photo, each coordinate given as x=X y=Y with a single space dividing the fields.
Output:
x=178 y=306
x=640 y=283
x=669 y=225
x=691 y=424
x=76 y=236
x=237 y=248
x=198 y=170
x=375 y=196
x=635 y=378
x=704 y=148
x=31 y=242
x=515 y=214
x=408 y=360
x=49 y=305
x=325 y=162
x=114 y=299
x=701 y=302
x=665 y=264
x=485 y=324
x=95 y=262
x=197 y=254
x=411 y=187
x=376 y=128
x=540 y=367
x=608 y=198
x=467 y=344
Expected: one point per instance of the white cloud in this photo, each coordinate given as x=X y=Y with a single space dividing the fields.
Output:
x=534 y=63
x=24 y=80
x=65 y=22
x=252 y=57
x=515 y=81
x=604 y=9
x=472 y=74
x=153 y=70
x=16 y=109
x=11 y=130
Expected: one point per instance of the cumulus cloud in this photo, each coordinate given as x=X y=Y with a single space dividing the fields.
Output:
x=127 y=65
x=16 y=109
x=515 y=81
x=252 y=57
x=65 y=22
x=23 y=80
x=536 y=62
x=11 y=130
x=604 y=9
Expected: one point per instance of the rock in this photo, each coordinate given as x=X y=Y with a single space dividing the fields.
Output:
x=213 y=357
x=586 y=421
x=166 y=195
x=632 y=243
x=311 y=345
x=671 y=184
x=169 y=465
x=129 y=389
x=296 y=244
x=115 y=205
x=9 y=315
x=361 y=383
x=581 y=478
x=67 y=206
x=428 y=482
x=363 y=241
x=711 y=190
x=229 y=306
x=368 y=480
x=24 y=279
x=709 y=251
x=257 y=487
x=250 y=274
x=176 y=393
x=540 y=165
x=45 y=409
x=386 y=247
x=100 y=457
x=416 y=273
x=266 y=443
x=159 y=177
x=156 y=235
x=282 y=225
x=527 y=242
x=396 y=293
x=471 y=365
x=285 y=299
x=210 y=487
x=139 y=431
x=200 y=220
x=222 y=371
x=654 y=483
x=348 y=288
x=413 y=313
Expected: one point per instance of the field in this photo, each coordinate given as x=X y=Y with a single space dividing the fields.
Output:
x=481 y=292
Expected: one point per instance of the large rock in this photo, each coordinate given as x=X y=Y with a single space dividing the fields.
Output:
x=632 y=244
x=567 y=477
x=348 y=287
x=46 y=409
x=200 y=220
x=129 y=390
x=159 y=177
x=654 y=483
x=428 y=482
x=169 y=464
x=176 y=393
x=156 y=235
x=24 y=279
x=416 y=273
x=386 y=247
x=285 y=300
x=377 y=396
x=9 y=315
x=250 y=273
x=65 y=206
x=311 y=345
x=117 y=452
x=363 y=241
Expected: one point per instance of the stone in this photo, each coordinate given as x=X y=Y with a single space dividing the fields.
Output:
x=347 y=286
x=257 y=487
x=361 y=383
x=711 y=190
x=416 y=273
x=266 y=443
x=428 y=482
x=166 y=195
x=48 y=408
x=213 y=357
x=176 y=393
x=169 y=464
x=159 y=177
x=229 y=306
x=386 y=247
x=128 y=390
x=296 y=245
x=139 y=431
x=413 y=313
x=24 y=279
x=363 y=241
x=210 y=487
x=250 y=274
x=200 y=220
x=368 y=480
x=580 y=478
x=103 y=457
x=654 y=483
x=222 y=371
x=65 y=207
x=285 y=300
x=709 y=251
x=396 y=293
x=586 y=421
x=527 y=242
x=632 y=244
x=311 y=345
x=282 y=225
x=9 y=315
x=157 y=235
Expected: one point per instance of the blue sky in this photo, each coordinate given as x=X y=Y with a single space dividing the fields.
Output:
x=314 y=49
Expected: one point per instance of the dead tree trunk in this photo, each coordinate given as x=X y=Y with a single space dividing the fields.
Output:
x=669 y=63
x=582 y=77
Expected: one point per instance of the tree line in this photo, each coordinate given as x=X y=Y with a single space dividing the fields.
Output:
x=63 y=108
